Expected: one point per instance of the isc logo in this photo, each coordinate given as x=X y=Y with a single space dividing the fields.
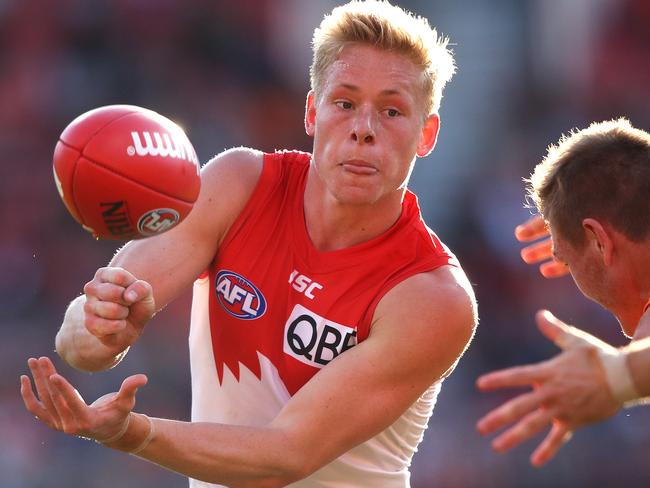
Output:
x=157 y=221
x=315 y=340
x=303 y=284
x=162 y=145
x=239 y=297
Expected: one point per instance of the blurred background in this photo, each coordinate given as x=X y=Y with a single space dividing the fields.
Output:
x=236 y=73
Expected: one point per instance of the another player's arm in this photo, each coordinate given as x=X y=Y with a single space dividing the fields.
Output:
x=638 y=356
x=100 y=325
x=420 y=330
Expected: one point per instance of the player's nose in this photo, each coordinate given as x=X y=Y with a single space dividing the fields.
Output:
x=363 y=127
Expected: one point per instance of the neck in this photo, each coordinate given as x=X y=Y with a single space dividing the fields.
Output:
x=332 y=224
x=636 y=273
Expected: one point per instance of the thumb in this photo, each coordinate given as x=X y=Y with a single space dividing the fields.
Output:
x=130 y=387
x=566 y=336
x=139 y=290
x=557 y=331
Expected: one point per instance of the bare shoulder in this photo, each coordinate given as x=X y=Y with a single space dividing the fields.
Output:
x=227 y=183
x=237 y=169
x=184 y=252
x=437 y=306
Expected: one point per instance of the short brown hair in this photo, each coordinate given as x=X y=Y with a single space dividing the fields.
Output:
x=387 y=27
x=602 y=172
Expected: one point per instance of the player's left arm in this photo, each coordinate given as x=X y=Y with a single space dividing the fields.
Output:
x=420 y=330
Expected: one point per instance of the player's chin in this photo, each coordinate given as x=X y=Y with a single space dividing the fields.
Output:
x=357 y=195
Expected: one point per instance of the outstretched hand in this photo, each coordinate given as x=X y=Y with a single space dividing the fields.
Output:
x=535 y=228
x=57 y=404
x=569 y=391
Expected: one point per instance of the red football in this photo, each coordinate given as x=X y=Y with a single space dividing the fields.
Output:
x=126 y=172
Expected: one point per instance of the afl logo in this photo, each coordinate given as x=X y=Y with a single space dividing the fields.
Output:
x=157 y=221
x=239 y=297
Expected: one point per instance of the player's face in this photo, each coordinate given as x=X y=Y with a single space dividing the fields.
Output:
x=602 y=272
x=590 y=273
x=368 y=125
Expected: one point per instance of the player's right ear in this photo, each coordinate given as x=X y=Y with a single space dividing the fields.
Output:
x=310 y=113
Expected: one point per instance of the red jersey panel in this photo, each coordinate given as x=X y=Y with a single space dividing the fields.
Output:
x=273 y=292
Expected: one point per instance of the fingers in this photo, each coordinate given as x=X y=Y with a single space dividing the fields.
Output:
x=509 y=412
x=32 y=404
x=117 y=285
x=512 y=377
x=139 y=290
x=559 y=435
x=535 y=228
x=104 y=291
x=44 y=409
x=526 y=428
x=537 y=252
x=553 y=269
x=114 y=275
x=66 y=393
x=532 y=229
x=115 y=299
x=67 y=406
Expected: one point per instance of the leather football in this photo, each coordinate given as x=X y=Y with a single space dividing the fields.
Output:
x=126 y=172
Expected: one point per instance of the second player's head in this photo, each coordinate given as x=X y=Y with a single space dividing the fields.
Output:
x=592 y=188
x=602 y=172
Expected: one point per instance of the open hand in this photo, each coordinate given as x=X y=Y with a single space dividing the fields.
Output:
x=568 y=391
x=57 y=404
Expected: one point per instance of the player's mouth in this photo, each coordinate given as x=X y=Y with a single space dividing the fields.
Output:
x=359 y=167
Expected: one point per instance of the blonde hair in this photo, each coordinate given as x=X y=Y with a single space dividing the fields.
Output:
x=602 y=172
x=386 y=27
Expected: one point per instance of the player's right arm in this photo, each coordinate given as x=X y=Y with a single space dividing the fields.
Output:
x=100 y=325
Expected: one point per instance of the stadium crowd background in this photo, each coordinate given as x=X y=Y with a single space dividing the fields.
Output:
x=236 y=73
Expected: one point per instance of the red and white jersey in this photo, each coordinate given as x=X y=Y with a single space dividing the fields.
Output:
x=272 y=310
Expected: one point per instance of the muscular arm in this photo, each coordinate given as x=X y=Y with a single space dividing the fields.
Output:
x=100 y=325
x=638 y=356
x=419 y=331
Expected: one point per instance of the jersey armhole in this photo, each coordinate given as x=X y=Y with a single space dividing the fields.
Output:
x=366 y=324
x=271 y=169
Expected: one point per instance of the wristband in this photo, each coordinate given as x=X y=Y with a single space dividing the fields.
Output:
x=119 y=435
x=618 y=376
x=147 y=439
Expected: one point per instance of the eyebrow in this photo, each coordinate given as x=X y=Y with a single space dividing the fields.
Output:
x=355 y=88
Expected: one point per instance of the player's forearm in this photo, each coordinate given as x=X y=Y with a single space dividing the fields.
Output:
x=638 y=363
x=78 y=347
x=236 y=456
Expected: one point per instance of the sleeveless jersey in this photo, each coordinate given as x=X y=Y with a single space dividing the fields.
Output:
x=272 y=310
